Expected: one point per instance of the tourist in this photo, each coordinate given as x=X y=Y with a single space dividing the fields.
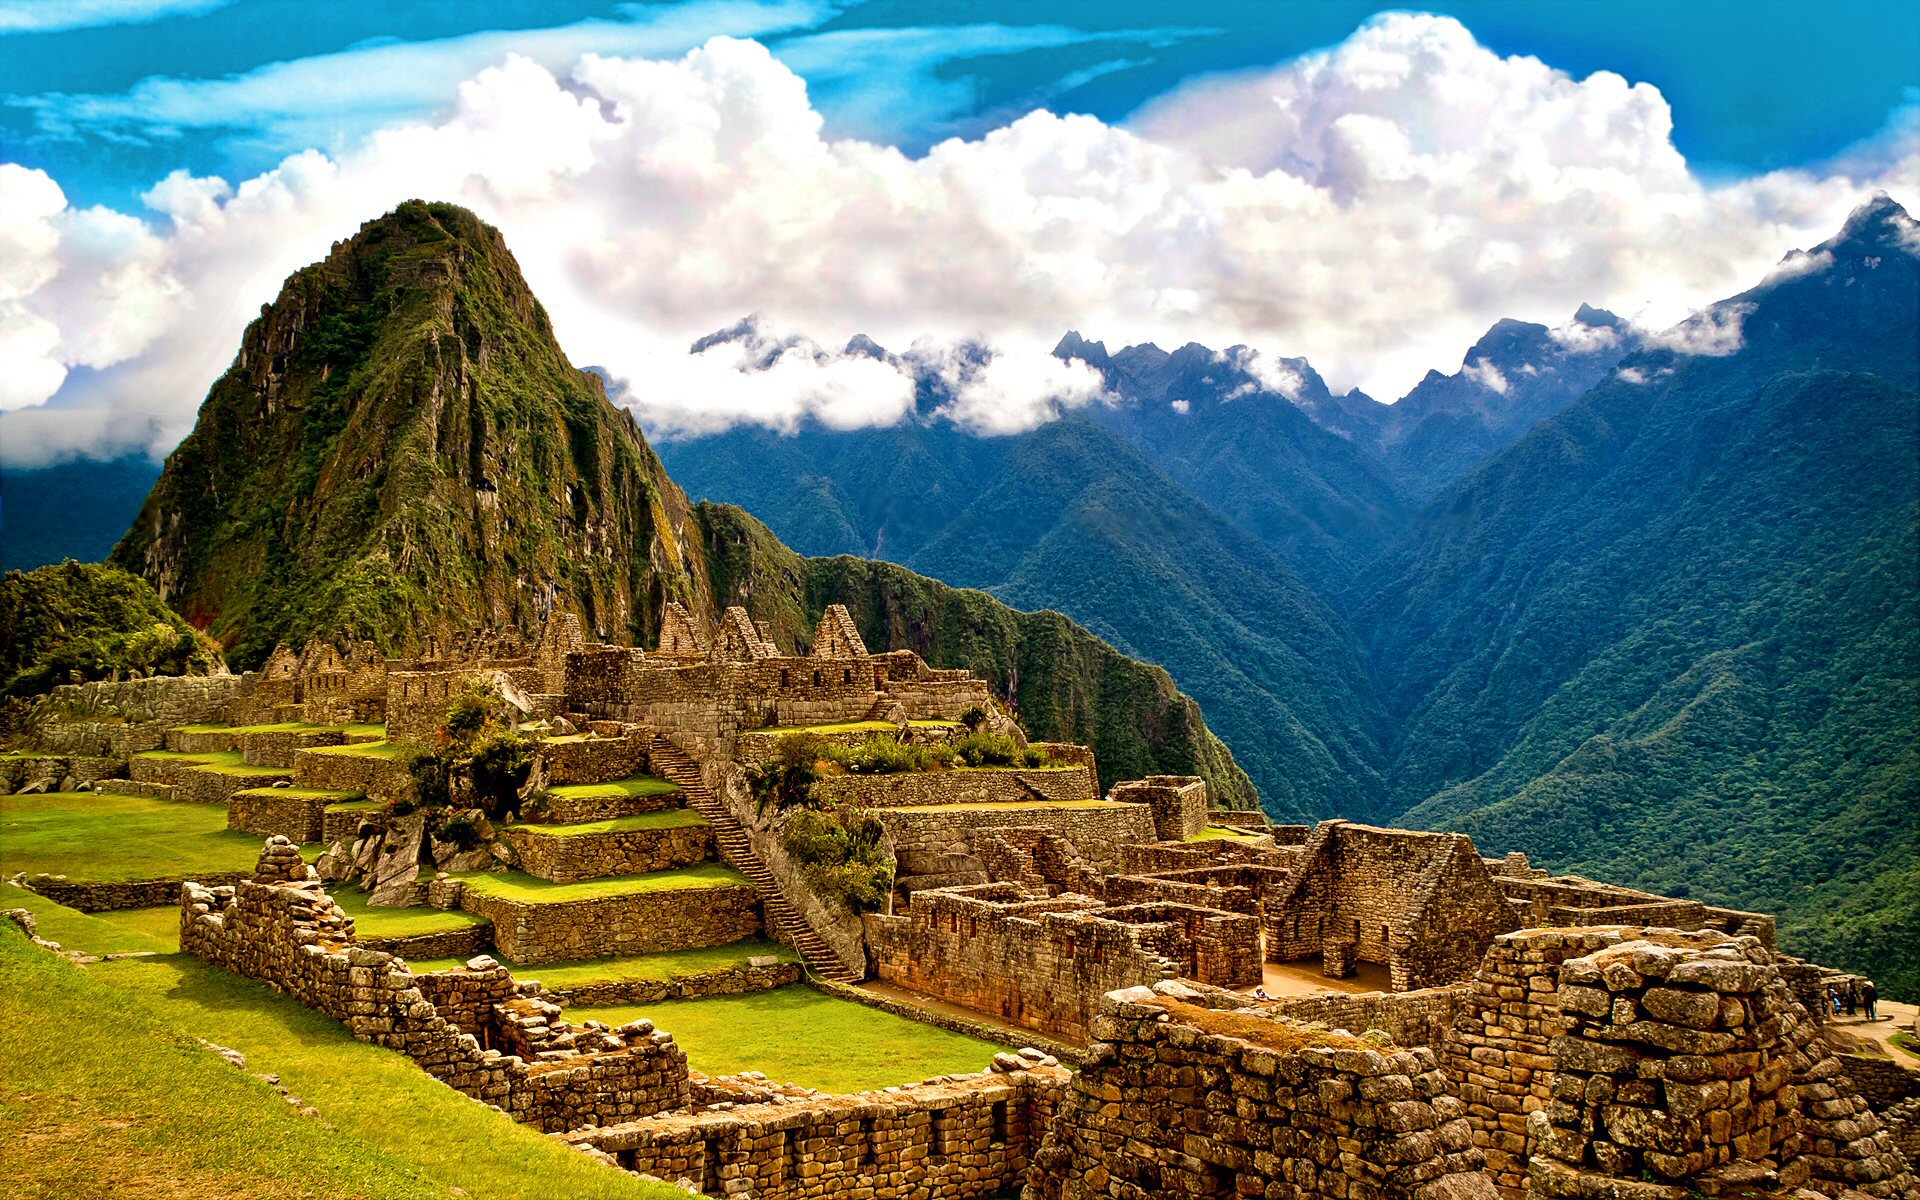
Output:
x=1833 y=999
x=1260 y=992
x=1852 y=996
x=1870 y=996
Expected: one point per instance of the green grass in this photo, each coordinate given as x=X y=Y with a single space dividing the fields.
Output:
x=1011 y=806
x=276 y=727
x=669 y=818
x=855 y=727
x=379 y=731
x=798 y=1035
x=243 y=769
x=388 y=1117
x=669 y=965
x=1221 y=833
x=300 y=793
x=97 y=933
x=1906 y=1041
x=356 y=806
x=370 y=922
x=99 y=1086
x=102 y=838
x=638 y=785
x=517 y=885
x=208 y=758
x=362 y=749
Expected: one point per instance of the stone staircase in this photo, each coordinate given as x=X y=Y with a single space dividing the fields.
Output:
x=784 y=921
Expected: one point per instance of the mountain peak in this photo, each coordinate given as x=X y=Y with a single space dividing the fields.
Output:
x=1878 y=225
x=1596 y=318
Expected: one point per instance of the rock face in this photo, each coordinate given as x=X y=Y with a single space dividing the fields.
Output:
x=401 y=448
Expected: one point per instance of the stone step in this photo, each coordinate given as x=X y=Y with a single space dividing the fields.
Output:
x=736 y=849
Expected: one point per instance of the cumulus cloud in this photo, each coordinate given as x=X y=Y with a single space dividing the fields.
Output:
x=1373 y=207
x=1486 y=374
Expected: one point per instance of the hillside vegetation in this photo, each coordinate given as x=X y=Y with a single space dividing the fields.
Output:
x=91 y=622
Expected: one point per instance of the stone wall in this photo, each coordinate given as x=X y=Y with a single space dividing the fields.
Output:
x=1177 y=1100
x=203 y=786
x=724 y=981
x=126 y=893
x=379 y=778
x=55 y=772
x=1098 y=833
x=1013 y=952
x=1686 y=1063
x=293 y=813
x=463 y=942
x=571 y=857
x=1178 y=802
x=284 y=930
x=635 y=923
x=978 y=785
x=1882 y=1081
x=594 y=759
x=1419 y=1018
x=964 y=1137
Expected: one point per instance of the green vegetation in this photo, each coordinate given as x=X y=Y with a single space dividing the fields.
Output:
x=846 y=1047
x=93 y=622
x=802 y=759
x=1906 y=1042
x=202 y=758
x=669 y=818
x=1070 y=685
x=480 y=760
x=1222 y=833
x=517 y=885
x=129 y=931
x=103 y=838
x=380 y=749
x=668 y=965
x=638 y=785
x=855 y=727
x=389 y=1119
x=345 y=799
x=840 y=852
x=96 y=1087
x=388 y=922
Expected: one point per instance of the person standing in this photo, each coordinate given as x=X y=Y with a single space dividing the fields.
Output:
x=1851 y=997
x=1871 y=996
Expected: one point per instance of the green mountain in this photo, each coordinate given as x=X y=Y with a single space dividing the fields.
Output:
x=1672 y=637
x=94 y=622
x=401 y=448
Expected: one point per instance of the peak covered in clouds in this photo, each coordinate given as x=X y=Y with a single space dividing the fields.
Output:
x=654 y=200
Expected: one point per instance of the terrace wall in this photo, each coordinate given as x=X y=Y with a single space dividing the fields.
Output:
x=286 y=931
x=979 y=785
x=1098 y=833
x=571 y=857
x=965 y=1137
x=633 y=923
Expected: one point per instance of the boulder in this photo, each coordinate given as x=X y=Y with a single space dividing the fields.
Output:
x=396 y=861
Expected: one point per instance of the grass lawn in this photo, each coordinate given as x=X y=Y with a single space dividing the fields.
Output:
x=362 y=749
x=670 y=818
x=1221 y=833
x=518 y=885
x=243 y=769
x=100 y=838
x=98 y=1090
x=855 y=727
x=1905 y=1041
x=1014 y=806
x=208 y=758
x=669 y=965
x=276 y=727
x=300 y=793
x=387 y=922
x=638 y=785
x=798 y=1035
x=97 y=933
x=395 y=1131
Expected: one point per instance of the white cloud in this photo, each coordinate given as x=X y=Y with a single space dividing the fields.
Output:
x=52 y=16
x=1798 y=263
x=1012 y=390
x=1373 y=207
x=1486 y=374
x=1270 y=374
x=1631 y=375
x=1713 y=332
x=1183 y=407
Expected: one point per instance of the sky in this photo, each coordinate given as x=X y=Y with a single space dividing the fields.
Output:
x=1367 y=188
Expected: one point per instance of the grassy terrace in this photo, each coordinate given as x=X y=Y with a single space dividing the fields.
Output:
x=855 y=727
x=398 y=922
x=103 y=838
x=205 y=758
x=381 y=749
x=638 y=785
x=105 y=1070
x=1010 y=806
x=299 y=793
x=288 y=727
x=671 y=964
x=670 y=818
x=517 y=885
x=798 y=1035
x=1222 y=833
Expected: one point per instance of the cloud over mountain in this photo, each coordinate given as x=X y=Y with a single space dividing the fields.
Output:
x=1371 y=207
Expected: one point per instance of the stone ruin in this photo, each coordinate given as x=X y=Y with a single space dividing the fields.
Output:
x=1528 y=1035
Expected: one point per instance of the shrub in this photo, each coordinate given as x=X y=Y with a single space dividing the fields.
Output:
x=885 y=756
x=462 y=830
x=840 y=854
x=987 y=750
x=787 y=779
x=973 y=717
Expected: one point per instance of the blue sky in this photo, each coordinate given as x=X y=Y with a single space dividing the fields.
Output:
x=1366 y=188
x=1754 y=85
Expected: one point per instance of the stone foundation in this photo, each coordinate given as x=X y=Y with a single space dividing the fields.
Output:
x=727 y=981
x=1097 y=833
x=292 y=813
x=978 y=785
